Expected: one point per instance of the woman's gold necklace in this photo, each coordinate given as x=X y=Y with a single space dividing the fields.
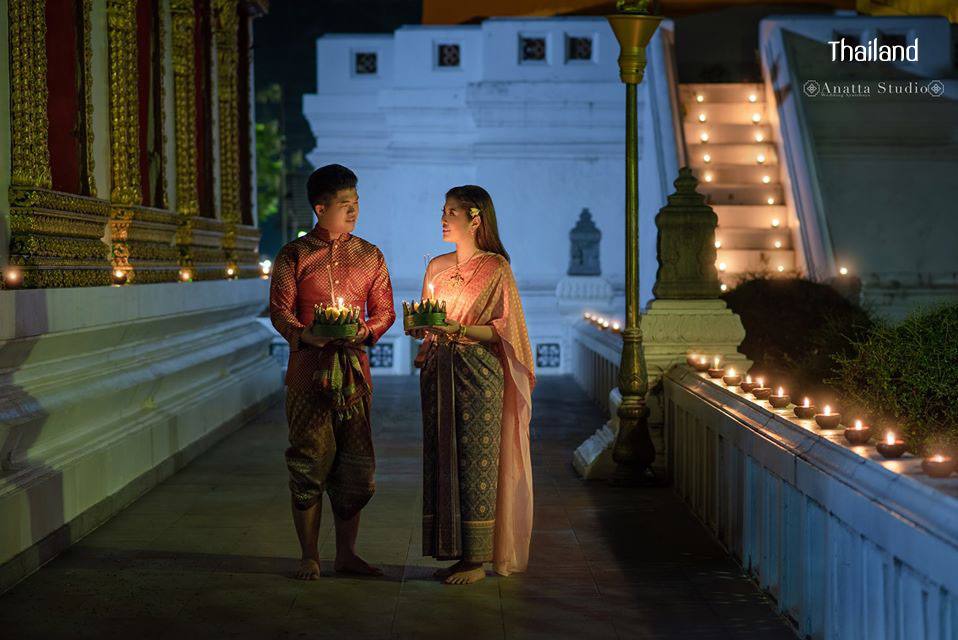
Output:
x=456 y=279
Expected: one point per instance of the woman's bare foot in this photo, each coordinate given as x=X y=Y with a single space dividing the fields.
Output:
x=468 y=573
x=356 y=566
x=442 y=574
x=308 y=569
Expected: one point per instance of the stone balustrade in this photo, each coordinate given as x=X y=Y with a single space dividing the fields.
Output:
x=849 y=545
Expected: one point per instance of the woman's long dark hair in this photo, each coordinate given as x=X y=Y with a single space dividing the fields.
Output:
x=487 y=238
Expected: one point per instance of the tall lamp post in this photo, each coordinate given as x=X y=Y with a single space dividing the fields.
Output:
x=633 y=451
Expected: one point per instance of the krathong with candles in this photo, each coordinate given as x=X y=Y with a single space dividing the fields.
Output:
x=748 y=384
x=731 y=378
x=806 y=410
x=335 y=321
x=779 y=400
x=891 y=447
x=761 y=392
x=716 y=371
x=859 y=433
x=428 y=312
x=828 y=420
x=938 y=465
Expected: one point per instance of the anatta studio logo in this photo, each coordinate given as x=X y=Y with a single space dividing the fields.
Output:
x=873 y=52
x=865 y=89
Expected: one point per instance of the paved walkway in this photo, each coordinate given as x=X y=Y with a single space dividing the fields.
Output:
x=207 y=554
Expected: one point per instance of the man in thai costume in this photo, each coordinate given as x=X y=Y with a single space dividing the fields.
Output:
x=328 y=382
x=476 y=384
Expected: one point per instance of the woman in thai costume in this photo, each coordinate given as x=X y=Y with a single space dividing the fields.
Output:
x=476 y=383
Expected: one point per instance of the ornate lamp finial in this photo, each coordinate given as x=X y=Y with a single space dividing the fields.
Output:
x=633 y=6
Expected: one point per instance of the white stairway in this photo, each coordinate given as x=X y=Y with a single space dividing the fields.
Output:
x=730 y=147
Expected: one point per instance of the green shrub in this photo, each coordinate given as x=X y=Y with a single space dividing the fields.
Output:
x=906 y=377
x=793 y=330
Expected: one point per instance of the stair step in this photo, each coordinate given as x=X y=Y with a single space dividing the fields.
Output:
x=753 y=238
x=713 y=92
x=731 y=153
x=721 y=194
x=754 y=217
x=755 y=260
x=722 y=174
x=726 y=133
x=724 y=113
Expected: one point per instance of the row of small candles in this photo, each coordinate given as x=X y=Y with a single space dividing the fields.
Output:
x=890 y=447
x=603 y=323
x=13 y=278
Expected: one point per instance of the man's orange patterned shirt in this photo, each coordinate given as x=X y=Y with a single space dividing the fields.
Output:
x=314 y=269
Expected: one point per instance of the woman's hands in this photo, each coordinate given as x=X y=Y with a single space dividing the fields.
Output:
x=449 y=328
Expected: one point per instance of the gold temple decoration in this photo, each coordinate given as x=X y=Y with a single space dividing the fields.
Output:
x=184 y=102
x=30 y=155
x=124 y=128
x=226 y=21
x=86 y=68
x=633 y=450
x=161 y=100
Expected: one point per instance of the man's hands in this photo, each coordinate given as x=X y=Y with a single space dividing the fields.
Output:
x=317 y=341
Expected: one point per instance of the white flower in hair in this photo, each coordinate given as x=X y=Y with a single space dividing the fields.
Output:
x=473 y=212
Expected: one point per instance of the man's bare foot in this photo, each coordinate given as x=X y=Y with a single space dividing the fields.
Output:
x=308 y=569
x=468 y=573
x=442 y=574
x=356 y=566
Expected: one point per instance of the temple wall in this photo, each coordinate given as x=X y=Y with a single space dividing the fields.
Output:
x=107 y=389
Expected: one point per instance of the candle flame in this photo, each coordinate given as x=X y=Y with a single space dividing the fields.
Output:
x=703 y=360
x=761 y=382
x=890 y=437
x=828 y=410
x=731 y=371
x=717 y=361
x=748 y=378
x=806 y=403
x=340 y=300
x=432 y=291
x=781 y=391
x=938 y=458
x=858 y=425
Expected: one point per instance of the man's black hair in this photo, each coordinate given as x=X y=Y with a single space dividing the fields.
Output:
x=326 y=181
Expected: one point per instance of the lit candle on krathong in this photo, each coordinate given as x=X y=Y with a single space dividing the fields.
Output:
x=702 y=364
x=761 y=392
x=427 y=312
x=938 y=465
x=731 y=378
x=805 y=410
x=891 y=447
x=858 y=433
x=779 y=400
x=748 y=385
x=828 y=420
x=119 y=277
x=335 y=321
x=716 y=371
x=432 y=293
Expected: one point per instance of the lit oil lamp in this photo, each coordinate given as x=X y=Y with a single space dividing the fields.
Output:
x=690 y=358
x=12 y=278
x=938 y=465
x=828 y=420
x=716 y=371
x=731 y=378
x=748 y=384
x=119 y=277
x=702 y=364
x=890 y=447
x=805 y=410
x=186 y=275
x=761 y=392
x=779 y=400
x=858 y=433
x=264 y=268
